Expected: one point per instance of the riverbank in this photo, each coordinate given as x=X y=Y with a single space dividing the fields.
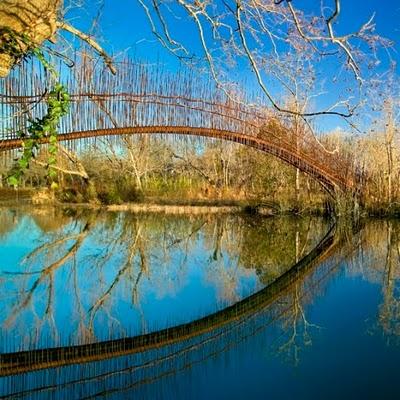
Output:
x=46 y=198
x=143 y=208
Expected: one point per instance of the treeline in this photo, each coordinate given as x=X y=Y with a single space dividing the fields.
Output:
x=186 y=171
x=197 y=170
x=180 y=171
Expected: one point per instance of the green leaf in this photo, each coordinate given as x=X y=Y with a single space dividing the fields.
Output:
x=53 y=139
x=29 y=143
x=57 y=107
x=13 y=181
x=23 y=163
x=52 y=173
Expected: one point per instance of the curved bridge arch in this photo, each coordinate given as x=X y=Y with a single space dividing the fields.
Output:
x=144 y=100
x=329 y=181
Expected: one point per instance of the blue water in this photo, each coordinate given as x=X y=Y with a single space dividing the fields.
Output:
x=334 y=333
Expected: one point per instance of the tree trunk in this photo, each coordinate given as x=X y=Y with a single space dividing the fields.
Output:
x=36 y=20
x=389 y=136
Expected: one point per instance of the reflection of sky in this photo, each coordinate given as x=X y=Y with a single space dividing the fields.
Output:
x=347 y=356
x=12 y=244
x=344 y=361
x=176 y=288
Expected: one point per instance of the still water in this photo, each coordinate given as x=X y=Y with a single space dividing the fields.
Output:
x=117 y=305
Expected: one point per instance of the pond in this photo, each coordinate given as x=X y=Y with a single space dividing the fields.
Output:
x=154 y=306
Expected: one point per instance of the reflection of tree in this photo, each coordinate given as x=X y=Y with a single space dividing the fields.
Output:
x=46 y=274
x=8 y=220
x=297 y=327
x=128 y=246
x=222 y=241
x=225 y=329
x=378 y=261
x=49 y=220
x=264 y=249
x=135 y=247
x=297 y=330
x=268 y=246
x=389 y=312
x=94 y=262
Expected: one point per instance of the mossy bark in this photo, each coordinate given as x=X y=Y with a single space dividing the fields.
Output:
x=35 y=19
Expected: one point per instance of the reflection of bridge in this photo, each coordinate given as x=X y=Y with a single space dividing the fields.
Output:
x=25 y=361
x=142 y=100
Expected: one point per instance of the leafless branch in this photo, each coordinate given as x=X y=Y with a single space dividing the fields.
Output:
x=91 y=42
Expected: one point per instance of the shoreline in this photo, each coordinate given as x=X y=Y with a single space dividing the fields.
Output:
x=28 y=198
x=43 y=198
x=151 y=208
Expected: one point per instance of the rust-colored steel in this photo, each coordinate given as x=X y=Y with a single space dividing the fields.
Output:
x=145 y=100
x=304 y=163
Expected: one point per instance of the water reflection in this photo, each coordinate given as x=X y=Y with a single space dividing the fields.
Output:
x=69 y=278
x=378 y=261
x=121 y=276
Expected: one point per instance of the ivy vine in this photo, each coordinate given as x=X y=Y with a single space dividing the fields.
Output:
x=17 y=45
x=41 y=129
x=44 y=129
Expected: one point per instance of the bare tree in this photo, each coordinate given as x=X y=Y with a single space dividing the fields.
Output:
x=380 y=147
x=257 y=33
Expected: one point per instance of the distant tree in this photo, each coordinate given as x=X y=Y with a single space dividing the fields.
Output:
x=380 y=147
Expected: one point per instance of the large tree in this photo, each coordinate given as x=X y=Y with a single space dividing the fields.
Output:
x=26 y=24
x=255 y=33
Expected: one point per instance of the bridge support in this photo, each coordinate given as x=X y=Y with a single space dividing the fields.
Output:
x=345 y=204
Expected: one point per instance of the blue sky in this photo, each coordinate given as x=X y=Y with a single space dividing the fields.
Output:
x=125 y=29
x=124 y=25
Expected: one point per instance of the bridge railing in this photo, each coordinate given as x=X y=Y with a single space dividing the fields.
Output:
x=143 y=96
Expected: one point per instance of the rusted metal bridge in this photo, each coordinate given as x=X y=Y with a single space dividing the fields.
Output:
x=146 y=100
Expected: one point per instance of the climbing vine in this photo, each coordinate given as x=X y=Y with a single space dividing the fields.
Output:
x=43 y=129
x=17 y=45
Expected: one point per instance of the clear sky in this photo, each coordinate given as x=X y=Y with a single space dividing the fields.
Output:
x=125 y=29
x=124 y=25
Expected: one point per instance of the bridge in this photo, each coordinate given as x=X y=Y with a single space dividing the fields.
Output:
x=146 y=100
